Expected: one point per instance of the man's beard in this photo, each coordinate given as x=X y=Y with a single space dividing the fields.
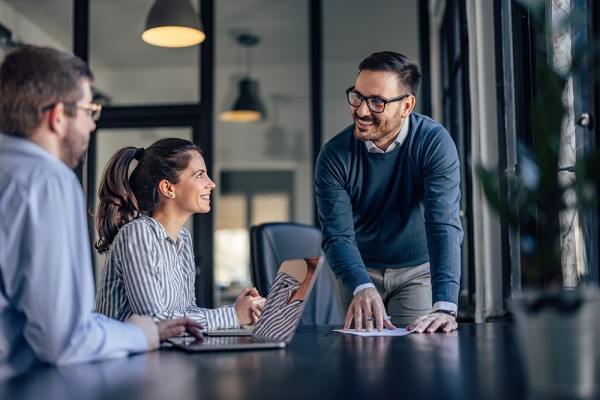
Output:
x=363 y=136
x=72 y=154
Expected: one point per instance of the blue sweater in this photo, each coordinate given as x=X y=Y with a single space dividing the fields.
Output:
x=394 y=210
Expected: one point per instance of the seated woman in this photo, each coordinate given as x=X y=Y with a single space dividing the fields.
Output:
x=149 y=268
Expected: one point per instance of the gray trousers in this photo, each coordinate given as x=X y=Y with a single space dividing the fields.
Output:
x=406 y=292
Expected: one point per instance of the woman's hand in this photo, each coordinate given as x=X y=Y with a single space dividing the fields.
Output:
x=248 y=306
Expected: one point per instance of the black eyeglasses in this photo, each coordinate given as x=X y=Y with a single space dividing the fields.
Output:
x=94 y=110
x=375 y=104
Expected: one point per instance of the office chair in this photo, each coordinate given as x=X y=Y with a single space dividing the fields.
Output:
x=273 y=242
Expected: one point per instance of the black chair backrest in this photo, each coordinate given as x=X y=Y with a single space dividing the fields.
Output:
x=273 y=242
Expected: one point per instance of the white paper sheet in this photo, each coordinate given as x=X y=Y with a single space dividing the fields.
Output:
x=375 y=332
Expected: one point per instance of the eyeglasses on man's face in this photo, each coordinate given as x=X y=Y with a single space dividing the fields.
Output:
x=375 y=104
x=93 y=109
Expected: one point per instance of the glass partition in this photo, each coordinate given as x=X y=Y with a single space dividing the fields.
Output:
x=264 y=168
x=276 y=149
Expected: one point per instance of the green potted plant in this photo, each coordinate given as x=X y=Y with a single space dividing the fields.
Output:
x=555 y=325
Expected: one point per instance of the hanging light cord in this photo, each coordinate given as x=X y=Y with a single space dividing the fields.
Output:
x=247 y=41
x=248 y=61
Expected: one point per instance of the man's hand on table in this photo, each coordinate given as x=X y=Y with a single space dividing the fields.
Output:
x=177 y=327
x=434 y=322
x=162 y=330
x=367 y=307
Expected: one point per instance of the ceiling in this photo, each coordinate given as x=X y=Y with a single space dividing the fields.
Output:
x=116 y=26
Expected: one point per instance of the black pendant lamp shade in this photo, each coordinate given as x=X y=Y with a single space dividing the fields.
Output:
x=173 y=23
x=248 y=107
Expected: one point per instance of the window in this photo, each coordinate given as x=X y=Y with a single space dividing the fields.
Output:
x=456 y=119
x=578 y=230
x=246 y=198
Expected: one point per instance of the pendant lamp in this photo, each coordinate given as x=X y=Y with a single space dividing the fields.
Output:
x=173 y=23
x=248 y=107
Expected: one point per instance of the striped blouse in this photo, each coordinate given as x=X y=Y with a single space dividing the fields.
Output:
x=146 y=272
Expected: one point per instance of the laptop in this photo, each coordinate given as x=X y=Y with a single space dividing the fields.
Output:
x=280 y=316
x=243 y=331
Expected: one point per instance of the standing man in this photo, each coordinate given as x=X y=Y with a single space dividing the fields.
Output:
x=46 y=285
x=388 y=194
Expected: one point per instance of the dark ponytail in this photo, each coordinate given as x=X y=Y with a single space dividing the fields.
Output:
x=117 y=202
x=123 y=198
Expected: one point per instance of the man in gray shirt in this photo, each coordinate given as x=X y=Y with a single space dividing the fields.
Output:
x=46 y=285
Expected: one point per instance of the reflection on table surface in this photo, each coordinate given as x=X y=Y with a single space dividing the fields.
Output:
x=479 y=361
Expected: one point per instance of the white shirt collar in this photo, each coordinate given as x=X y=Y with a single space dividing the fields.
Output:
x=372 y=148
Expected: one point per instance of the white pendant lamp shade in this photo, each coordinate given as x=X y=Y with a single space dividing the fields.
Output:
x=173 y=23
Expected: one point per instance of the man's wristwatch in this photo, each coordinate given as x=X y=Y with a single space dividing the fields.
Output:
x=451 y=313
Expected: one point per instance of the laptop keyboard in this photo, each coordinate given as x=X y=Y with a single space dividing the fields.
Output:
x=214 y=340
